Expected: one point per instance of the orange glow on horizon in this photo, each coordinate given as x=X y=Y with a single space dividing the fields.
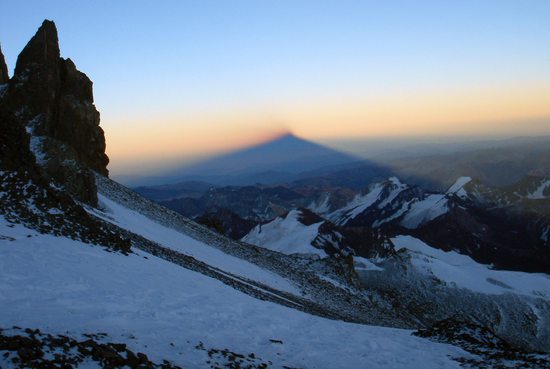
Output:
x=482 y=112
x=146 y=142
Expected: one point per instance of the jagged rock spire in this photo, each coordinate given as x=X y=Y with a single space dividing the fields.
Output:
x=4 y=78
x=42 y=49
x=53 y=89
x=54 y=101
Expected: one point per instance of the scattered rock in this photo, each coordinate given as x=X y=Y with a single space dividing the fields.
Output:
x=32 y=349
x=224 y=358
x=491 y=351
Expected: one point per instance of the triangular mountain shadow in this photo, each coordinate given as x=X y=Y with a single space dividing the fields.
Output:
x=280 y=160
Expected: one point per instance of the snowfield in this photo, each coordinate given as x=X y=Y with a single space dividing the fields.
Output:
x=463 y=272
x=59 y=285
x=287 y=235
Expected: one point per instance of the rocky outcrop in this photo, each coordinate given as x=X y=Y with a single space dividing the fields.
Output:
x=54 y=102
x=41 y=172
x=226 y=222
x=4 y=78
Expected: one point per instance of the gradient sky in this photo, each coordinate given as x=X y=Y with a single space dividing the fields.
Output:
x=184 y=79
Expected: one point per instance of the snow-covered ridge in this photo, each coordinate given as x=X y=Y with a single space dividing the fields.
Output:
x=394 y=190
x=382 y=198
x=358 y=205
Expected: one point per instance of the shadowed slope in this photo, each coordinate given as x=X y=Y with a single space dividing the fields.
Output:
x=279 y=160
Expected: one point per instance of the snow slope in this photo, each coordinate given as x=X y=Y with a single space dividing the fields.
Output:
x=425 y=210
x=170 y=238
x=287 y=235
x=64 y=286
x=396 y=188
x=358 y=205
x=458 y=187
x=463 y=272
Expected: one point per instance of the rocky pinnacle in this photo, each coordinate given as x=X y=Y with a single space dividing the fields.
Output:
x=3 y=69
x=54 y=102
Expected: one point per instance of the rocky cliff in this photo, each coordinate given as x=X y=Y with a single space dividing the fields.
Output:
x=50 y=146
x=4 y=78
x=54 y=102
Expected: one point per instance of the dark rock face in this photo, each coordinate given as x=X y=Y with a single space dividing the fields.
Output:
x=256 y=203
x=78 y=119
x=14 y=143
x=42 y=49
x=4 y=78
x=31 y=163
x=226 y=222
x=54 y=101
x=27 y=197
x=360 y=241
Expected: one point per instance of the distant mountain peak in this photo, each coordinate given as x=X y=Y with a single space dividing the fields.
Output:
x=289 y=136
x=286 y=137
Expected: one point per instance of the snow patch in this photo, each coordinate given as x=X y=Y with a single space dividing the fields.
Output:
x=458 y=187
x=545 y=233
x=538 y=194
x=320 y=208
x=363 y=264
x=36 y=148
x=287 y=235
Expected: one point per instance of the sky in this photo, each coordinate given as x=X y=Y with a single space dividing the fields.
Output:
x=181 y=80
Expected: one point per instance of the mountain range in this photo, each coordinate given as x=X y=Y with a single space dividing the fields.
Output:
x=319 y=275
